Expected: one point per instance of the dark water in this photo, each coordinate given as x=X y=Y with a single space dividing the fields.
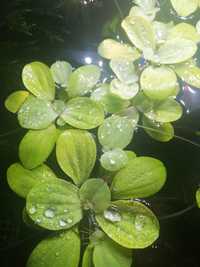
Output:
x=49 y=30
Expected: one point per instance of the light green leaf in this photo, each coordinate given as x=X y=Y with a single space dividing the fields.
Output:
x=36 y=113
x=129 y=223
x=185 y=8
x=83 y=80
x=137 y=11
x=130 y=154
x=161 y=31
x=60 y=250
x=15 y=100
x=114 y=160
x=61 y=70
x=111 y=103
x=87 y=260
x=21 y=180
x=76 y=154
x=140 y=32
x=83 y=113
x=36 y=146
x=141 y=177
x=198 y=25
x=108 y=253
x=130 y=114
x=111 y=49
x=142 y=102
x=158 y=83
x=198 y=198
x=184 y=31
x=115 y=132
x=58 y=106
x=95 y=194
x=123 y=90
x=124 y=70
x=146 y=5
x=54 y=205
x=174 y=51
x=162 y=132
x=37 y=79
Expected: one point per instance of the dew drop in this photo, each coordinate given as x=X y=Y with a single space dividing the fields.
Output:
x=32 y=210
x=69 y=220
x=112 y=215
x=140 y=222
x=49 y=213
x=62 y=223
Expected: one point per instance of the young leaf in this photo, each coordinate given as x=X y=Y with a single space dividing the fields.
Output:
x=184 y=8
x=36 y=113
x=114 y=160
x=123 y=90
x=140 y=32
x=95 y=194
x=158 y=83
x=130 y=154
x=198 y=198
x=111 y=49
x=36 y=146
x=15 y=100
x=184 y=31
x=60 y=250
x=21 y=180
x=61 y=70
x=136 y=227
x=76 y=154
x=83 y=113
x=37 y=79
x=109 y=253
x=135 y=181
x=54 y=205
x=115 y=132
x=87 y=260
x=162 y=132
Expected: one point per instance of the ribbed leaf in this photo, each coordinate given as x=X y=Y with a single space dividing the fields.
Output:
x=61 y=70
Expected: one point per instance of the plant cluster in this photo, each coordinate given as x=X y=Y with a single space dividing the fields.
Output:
x=90 y=123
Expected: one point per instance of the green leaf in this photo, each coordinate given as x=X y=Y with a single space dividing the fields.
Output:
x=15 y=100
x=198 y=198
x=184 y=31
x=37 y=79
x=158 y=83
x=108 y=253
x=114 y=160
x=83 y=113
x=36 y=113
x=115 y=132
x=137 y=11
x=21 y=180
x=95 y=194
x=61 y=70
x=83 y=80
x=111 y=103
x=143 y=103
x=36 y=146
x=54 y=205
x=76 y=154
x=87 y=260
x=124 y=70
x=140 y=32
x=130 y=223
x=130 y=154
x=130 y=114
x=146 y=5
x=184 y=7
x=141 y=177
x=60 y=250
x=161 y=31
x=111 y=49
x=162 y=132
x=123 y=90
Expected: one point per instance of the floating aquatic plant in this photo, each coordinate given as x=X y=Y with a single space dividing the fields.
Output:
x=90 y=124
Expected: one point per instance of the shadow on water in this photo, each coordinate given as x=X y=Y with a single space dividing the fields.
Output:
x=71 y=30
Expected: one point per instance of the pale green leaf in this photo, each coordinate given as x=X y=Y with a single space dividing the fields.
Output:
x=137 y=11
x=114 y=160
x=142 y=102
x=15 y=100
x=123 y=90
x=185 y=8
x=130 y=154
x=130 y=114
x=161 y=31
x=61 y=70
x=184 y=31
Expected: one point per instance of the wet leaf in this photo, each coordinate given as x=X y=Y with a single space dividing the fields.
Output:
x=161 y=31
x=130 y=154
x=15 y=100
x=198 y=198
x=136 y=228
x=140 y=32
x=36 y=113
x=83 y=80
x=61 y=71
x=123 y=90
x=76 y=154
x=37 y=79
x=124 y=70
x=162 y=132
x=184 y=31
x=114 y=160
x=137 y=11
x=111 y=49
x=198 y=24
x=95 y=194
x=83 y=113
x=54 y=205
x=130 y=114
x=87 y=260
x=36 y=146
x=142 y=102
x=136 y=182
x=21 y=180
x=115 y=132
x=60 y=250
x=184 y=8
x=146 y=5
x=158 y=83
x=109 y=253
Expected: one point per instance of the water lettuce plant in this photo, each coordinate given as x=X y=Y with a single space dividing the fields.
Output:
x=88 y=125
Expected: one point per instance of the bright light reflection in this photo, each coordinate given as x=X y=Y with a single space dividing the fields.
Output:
x=88 y=60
